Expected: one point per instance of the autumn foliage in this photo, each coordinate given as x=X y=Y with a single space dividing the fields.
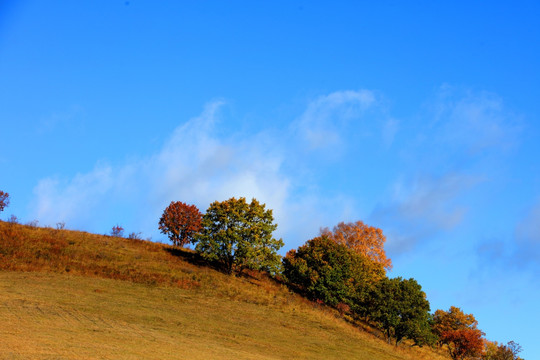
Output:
x=180 y=222
x=117 y=231
x=459 y=332
x=4 y=200
x=464 y=343
x=238 y=235
x=453 y=319
x=362 y=238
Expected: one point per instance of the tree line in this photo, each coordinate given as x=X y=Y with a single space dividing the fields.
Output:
x=344 y=268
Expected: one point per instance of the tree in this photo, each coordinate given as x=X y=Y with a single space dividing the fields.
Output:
x=239 y=235
x=180 y=222
x=327 y=271
x=4 y=200
x=365 y=239
x=453 y=319
x=464 y=343
x=400 y=309
x=459 y=331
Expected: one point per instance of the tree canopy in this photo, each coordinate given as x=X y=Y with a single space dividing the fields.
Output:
x=459 y=332
x=180 y=222
x=239 y=235
x=327 y=271
x=401 y=310
x=365 y=239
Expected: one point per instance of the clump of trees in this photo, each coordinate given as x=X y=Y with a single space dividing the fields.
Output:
x=344 y=268
x=328 y=271
x=233 y=233
x=347 y=266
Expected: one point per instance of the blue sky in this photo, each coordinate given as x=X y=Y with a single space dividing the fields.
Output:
x=422 y=119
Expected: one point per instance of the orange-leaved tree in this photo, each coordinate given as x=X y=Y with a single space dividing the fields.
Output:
x=4 y=200
x=180 y=222
x=365 y=239
x=453 y=319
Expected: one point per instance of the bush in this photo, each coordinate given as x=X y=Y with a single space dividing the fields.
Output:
x=4 y=200
x=117 y=231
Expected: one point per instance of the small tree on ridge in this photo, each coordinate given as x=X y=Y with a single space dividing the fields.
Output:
x=180 y=222
x=4 y=200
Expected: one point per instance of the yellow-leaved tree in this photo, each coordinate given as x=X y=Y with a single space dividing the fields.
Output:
x=364 y=239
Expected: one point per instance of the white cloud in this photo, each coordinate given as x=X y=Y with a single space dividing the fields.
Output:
x=327 y=116
x=196 y=166
x=75 y=200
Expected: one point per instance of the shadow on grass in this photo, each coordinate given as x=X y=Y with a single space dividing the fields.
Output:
x=194 y=258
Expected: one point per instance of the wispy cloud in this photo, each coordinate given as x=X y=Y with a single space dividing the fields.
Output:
x=518 y=252
x=194 y=166
x=421 y=207
x=198 y=165
x=474 y=121
x=326 y=117
x=450 y=153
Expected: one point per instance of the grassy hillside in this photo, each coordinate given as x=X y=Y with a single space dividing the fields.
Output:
x=73 y=295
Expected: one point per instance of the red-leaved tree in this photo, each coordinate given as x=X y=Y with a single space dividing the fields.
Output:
x=4 y=200
x=464 y=343
x=180 y=222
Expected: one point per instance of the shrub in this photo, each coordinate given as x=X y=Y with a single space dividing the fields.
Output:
x=4 y=200
x=117 y=231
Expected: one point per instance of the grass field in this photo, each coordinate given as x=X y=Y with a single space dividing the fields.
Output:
x=73 y=295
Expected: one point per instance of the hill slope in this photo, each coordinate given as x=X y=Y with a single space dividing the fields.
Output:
x=73 y=295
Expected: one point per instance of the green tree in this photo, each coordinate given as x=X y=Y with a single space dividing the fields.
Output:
x=331 y=272
x=239 y=235
x=400 y=309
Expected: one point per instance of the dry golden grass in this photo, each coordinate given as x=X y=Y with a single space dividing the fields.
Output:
x=73 y=295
